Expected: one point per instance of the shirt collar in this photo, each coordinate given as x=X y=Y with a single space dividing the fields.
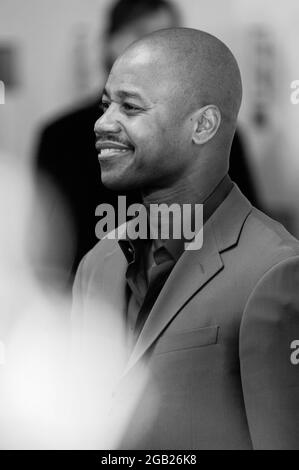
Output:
x=175 y=247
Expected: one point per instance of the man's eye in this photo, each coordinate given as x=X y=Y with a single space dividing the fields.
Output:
x=130 y=107
x=104 y=106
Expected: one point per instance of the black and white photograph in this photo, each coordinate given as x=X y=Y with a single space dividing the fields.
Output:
x=149 y=232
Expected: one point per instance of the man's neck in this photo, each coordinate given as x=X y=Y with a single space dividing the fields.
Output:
x=184 y=192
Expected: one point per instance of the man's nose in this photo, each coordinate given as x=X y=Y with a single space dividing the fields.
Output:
x=107 y=122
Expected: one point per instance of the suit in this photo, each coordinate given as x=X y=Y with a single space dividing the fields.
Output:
x=217 y=340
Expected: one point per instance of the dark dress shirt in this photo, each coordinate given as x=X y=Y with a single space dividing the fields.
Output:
x=151 y=261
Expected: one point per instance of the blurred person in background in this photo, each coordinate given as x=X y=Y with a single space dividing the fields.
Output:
x=66 y=153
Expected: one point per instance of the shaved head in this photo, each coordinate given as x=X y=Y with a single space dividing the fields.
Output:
x=200 y=64
x=171 y=103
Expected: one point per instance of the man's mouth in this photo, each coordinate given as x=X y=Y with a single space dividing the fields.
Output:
x=108 y=149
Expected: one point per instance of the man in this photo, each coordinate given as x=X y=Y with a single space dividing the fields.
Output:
x=215 y=326
x=71 y=163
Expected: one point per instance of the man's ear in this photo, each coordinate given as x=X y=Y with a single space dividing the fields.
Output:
x=206 y=123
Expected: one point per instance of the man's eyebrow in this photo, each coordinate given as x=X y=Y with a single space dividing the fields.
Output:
x=124 y=94
x=105 y=93
x=129 y=94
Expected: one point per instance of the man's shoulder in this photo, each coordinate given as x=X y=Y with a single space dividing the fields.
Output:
x=269 y=234
x=255 y=236
x=250 y=242
x=263 y=245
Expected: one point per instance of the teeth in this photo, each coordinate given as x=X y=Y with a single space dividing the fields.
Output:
x=110 y=151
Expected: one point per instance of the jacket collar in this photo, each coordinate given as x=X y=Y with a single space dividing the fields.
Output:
x=229 y=218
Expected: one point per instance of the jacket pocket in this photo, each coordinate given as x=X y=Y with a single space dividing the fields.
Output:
x=186 y=340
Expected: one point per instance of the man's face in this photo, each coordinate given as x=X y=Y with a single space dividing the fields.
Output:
x=146 y=24
x=143 y=136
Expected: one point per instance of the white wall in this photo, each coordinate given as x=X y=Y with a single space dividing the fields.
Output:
x=46 y=31
x=274 y=151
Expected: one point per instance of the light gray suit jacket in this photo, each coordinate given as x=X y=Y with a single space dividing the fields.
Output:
x=217 y=342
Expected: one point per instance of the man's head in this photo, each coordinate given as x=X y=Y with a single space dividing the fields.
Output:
x=170 y=107
x=129 y=20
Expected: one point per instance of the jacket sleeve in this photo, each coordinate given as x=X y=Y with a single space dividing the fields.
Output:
x=269 y=369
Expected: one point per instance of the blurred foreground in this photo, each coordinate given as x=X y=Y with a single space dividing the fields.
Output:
x=56 y=392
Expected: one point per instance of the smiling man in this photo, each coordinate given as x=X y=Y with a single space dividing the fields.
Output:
x=152 y=102
x=213 y=326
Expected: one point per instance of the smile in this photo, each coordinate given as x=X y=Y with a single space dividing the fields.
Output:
x=112 y=151
x=108 y=149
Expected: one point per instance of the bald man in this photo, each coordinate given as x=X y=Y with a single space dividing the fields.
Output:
x=215 y=326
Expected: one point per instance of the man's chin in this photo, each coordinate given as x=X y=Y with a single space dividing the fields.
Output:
x=117 y=183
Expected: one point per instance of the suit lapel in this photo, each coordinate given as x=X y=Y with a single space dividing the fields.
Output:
x=191 y=273
x=113 y=273
x=114 y=284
